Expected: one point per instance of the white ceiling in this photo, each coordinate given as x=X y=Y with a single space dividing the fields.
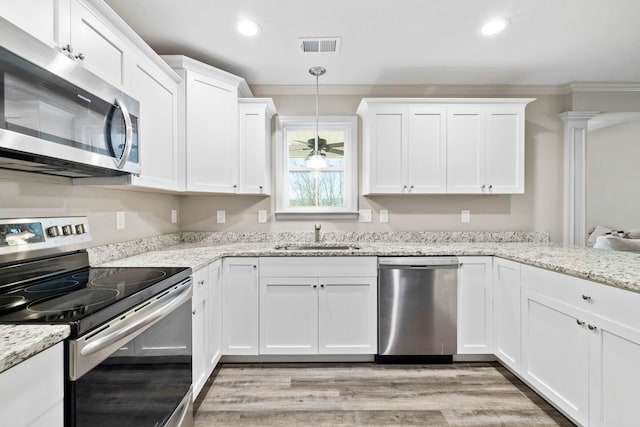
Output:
x=549 y=42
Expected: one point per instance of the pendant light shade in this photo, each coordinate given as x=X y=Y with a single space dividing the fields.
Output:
x=316 y=160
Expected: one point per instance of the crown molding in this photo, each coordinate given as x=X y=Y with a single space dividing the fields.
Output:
x=604 y=87
x=410 y=90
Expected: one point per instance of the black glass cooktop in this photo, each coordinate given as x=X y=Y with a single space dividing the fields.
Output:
x=88 y=297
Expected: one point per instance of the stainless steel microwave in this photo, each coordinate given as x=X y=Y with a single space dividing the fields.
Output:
x=58 y=118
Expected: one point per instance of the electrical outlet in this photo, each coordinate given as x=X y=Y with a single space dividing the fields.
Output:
x=364 y=215
x=120 y=220
x=465 y=216
x=262 y=216
x=174 y=216
x=384 y=215
x=221 y=217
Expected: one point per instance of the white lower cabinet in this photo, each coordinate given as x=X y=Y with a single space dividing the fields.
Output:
x=240 y=308
x=581 y=346
x=475 y=305
x=32 y=392
x=506 y=312
x=199 y=330
x=214 y=349
x=555 y=359
x=305 y=310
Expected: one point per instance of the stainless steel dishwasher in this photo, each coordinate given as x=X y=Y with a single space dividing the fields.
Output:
x=417 y=309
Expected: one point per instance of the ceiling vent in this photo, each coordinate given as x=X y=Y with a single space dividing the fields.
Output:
x=320 y=44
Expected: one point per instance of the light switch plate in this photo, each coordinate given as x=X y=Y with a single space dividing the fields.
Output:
x=365 y=215
x=221 y=217
x=384 y=215
x=262 y=216
x=174 y=216
x=120 y=220
x=465 y=216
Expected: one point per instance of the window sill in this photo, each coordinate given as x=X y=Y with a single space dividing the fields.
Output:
x=301 y=216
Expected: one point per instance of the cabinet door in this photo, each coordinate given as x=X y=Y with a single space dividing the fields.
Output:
x=506 y=312
x=475 y=304
x=615 y=373
x=427 y=151
x=555 y=357
x=47 y=20
x=102 y=52
x=240 y=308
x=255 y=150
x=32 y=391
x=387 y=140
x=212 y=146
x=158 y=128
x=288 y=315
x=199 y=338
x=504 y=151
x=465 y=141
x=215 y=315
x=347 y=316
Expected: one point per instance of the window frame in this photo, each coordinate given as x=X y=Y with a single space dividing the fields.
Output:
x=350 y=210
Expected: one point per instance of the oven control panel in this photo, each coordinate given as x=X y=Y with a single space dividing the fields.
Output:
x=32 y=234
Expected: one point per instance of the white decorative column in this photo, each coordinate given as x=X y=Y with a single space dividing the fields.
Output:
x=575 y=156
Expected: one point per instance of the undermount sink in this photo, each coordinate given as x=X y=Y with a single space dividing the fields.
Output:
x=316 y=247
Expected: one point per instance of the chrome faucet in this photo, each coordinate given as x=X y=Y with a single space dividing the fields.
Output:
x=317 y=230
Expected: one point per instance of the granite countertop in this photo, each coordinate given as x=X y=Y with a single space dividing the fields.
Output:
x=19 y=342
x=619 y=269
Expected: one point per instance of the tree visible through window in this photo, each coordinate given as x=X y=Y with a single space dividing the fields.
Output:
x=328 y=190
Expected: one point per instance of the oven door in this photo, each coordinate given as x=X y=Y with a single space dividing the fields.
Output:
x=134 y=371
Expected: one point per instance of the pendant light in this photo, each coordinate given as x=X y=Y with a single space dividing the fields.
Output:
x=316 y=160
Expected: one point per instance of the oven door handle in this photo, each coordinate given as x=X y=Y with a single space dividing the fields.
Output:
x=150 y=315
x=88 y=352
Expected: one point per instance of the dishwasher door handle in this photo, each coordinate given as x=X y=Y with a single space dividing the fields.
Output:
x=417 y=267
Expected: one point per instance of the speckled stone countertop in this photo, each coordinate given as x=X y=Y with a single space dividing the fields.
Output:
x=619 y=269
x=20 y=342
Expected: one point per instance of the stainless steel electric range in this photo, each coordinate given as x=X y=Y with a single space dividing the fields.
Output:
x=128 y=358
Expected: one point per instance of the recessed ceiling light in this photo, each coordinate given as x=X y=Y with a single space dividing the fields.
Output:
x=494 y=26
x=247 y=28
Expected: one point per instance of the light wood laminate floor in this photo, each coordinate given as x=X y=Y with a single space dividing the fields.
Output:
x=367 y=394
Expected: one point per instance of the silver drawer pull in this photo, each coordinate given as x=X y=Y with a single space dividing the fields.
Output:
x=592 y=327
x=586 y=297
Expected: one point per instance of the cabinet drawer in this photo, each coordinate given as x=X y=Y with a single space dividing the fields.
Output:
x=616 y=304
x=318 y=266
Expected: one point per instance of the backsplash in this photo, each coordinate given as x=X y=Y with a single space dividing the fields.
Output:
x=114 y=251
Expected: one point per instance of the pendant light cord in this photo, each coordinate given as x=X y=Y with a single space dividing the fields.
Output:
x=317 y=114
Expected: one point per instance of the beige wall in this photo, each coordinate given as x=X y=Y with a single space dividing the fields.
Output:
x=540 y=208
x=613 y=198
x=29 y=195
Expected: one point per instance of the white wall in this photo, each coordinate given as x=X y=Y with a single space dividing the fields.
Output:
x=31 y=195
x=539 y=209
x=613 y=176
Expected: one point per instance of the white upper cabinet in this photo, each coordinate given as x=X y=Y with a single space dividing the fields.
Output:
x=254 y=140
x=76 y=29
x=157 y=93
x=403 y=149
x=209 y=125
x=443 y=145
x=485 y=149
x=47 y=20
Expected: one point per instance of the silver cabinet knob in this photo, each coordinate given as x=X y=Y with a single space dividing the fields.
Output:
x=490 y=186
x=322 y=286
x=193 y=312
x=404 y=187
x=580 y=322
x=80 y=56
x=411 y=187
x=67 y=48
x=592 y=327
x=201 y=282
x=255 y=267
x=235 y=185
x=314 y=286
x=483 y=186
x=586 y=297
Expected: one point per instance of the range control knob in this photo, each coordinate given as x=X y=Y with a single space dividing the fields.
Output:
x=81 y=229
x=53 y=231
x=67 y=230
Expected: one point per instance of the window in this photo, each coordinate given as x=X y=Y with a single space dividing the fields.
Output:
x=302 y=191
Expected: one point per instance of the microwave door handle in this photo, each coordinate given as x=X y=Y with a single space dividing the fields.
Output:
x=128 y=138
